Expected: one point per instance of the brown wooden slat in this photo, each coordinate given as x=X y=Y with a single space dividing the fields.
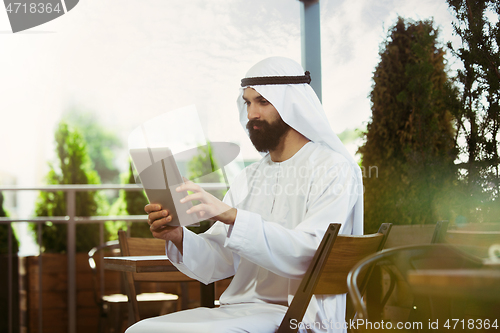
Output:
x=162 y=277
x=145 y=246
x=346 y=252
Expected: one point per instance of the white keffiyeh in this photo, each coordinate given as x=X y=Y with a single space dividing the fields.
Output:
x=300 y=108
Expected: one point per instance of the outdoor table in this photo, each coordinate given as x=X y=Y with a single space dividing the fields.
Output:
x=459 y=283
x=460 y=294
x=143 y=264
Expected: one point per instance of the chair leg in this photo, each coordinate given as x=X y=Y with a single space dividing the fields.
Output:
x=374 y=294
x=102 y=314
x=184 y=296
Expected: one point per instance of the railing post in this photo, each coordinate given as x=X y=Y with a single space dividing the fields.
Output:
x=71 y=235
x=101 y=259
x=9 y=270
x=40 y=285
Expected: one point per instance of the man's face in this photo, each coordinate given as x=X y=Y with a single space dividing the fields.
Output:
x=265 y=125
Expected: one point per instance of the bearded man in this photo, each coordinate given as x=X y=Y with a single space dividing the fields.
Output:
x=285 y=203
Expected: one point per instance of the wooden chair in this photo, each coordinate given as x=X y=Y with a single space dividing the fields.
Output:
x=132 y=246
x=416 y=234
x=474 y=242
x=400 y=261
x=383 y=286
x=108 y=296
x=327 y=273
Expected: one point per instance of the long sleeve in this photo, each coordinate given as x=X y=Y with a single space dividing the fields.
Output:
x=205 y=257
x=287 y=252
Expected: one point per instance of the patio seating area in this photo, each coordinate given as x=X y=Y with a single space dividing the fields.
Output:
x=454 y=274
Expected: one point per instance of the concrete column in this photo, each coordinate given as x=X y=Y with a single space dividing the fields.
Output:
x=311 y=42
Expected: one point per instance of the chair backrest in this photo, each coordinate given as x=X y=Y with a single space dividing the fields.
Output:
x=327 y=273
x=383 y=297
x=135 y=246
x=416 y=234
x=345 y=253
x=399 y=261
x=439 y=232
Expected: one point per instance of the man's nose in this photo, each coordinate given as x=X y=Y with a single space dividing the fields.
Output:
x=252 y=112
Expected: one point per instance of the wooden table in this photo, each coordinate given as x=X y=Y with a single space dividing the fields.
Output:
x=465 y=283
x=139 y=264
x=459 y=294
x=148 y=264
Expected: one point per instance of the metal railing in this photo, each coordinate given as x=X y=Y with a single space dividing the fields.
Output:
x=71 y=220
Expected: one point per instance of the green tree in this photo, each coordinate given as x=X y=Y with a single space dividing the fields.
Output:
x=129 y=203
x=409 y=148
x=136 y=200
x=478 y=118
x=4 y=232
x=73 y=167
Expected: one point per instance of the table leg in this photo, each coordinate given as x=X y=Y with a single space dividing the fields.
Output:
x=207 y=295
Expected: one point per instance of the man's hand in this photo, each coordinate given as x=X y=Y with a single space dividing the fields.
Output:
x=158 y=221
x=210 y=207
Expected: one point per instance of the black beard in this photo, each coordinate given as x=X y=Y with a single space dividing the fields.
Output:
x=268 y=136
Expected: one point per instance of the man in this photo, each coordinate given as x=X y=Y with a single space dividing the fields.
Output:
x=284 y=204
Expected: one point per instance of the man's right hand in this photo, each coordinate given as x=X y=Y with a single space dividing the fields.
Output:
x=158 y=221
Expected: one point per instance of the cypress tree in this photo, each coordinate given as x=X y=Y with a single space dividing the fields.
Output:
x=409 y=150
x=135 y=202
x=129 y=203
x=73 y=167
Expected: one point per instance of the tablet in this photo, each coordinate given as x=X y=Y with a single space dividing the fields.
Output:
x=160 y=177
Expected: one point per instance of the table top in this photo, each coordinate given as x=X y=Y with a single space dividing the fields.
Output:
x=139 y=264
x=463 y=283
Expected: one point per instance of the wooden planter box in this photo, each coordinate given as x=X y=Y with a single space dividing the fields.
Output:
x=55 y=293
x=4 y=294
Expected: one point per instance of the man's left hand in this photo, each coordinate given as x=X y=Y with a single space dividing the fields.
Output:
x=210 y=207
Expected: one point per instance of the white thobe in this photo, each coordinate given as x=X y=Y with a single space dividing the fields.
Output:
x=282 y=216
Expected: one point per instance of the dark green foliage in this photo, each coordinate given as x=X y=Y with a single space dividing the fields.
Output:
x=4 y=233
x=204 y=165
x=3 y=213
x=409 y=151
x=73 y=167
x=135 y=202
x=129 y=203
x=478 y=118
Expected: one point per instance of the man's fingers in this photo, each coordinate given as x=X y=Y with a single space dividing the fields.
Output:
x=158 y=215
x=191 y=197
x=198 y=209
x=186 y=180
x=152 y=208
x=189 y=186
x=160 y=223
